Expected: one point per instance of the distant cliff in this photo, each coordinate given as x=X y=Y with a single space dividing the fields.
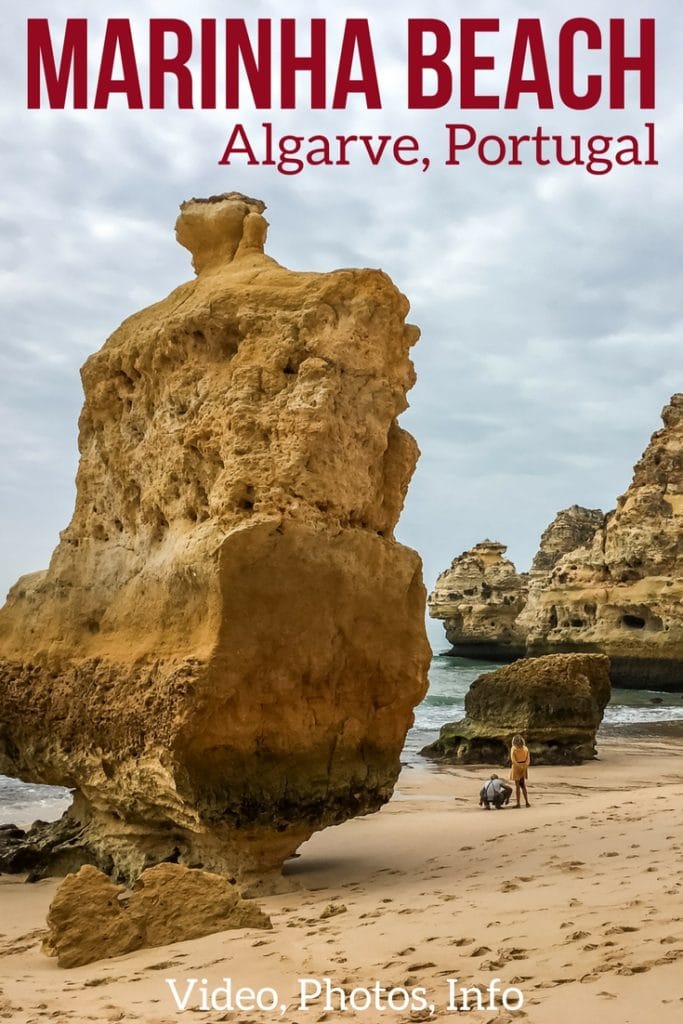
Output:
x=599 y=583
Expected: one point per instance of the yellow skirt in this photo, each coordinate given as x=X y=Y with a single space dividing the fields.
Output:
x=519 y=771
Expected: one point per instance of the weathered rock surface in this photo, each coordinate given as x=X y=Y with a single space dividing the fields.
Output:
x=555 y=702
x=90 y=918
x=611 y=584
x=47 y=848
x=572 y=528
x=226 y=649
x=623 y=594
x=480 y=598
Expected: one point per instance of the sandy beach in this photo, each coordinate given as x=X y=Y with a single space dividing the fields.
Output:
x=575 y=901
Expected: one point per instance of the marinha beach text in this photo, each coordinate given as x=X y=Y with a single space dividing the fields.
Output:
x=470 y=64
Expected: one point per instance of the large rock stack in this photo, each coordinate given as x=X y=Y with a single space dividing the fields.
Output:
x=226 y=649
x=480 y=597
x=556 y=703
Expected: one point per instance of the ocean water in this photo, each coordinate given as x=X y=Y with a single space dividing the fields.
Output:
x=639 y=713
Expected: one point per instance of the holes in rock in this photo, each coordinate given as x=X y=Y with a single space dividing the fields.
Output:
x=173 y=857
x=246 y=500
x=633 y=621
x=92 y=625
x=577 y=623
x=552 y=618
x=291 y=368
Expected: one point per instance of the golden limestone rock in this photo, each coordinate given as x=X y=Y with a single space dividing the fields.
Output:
x=555 y=702
x=226 y=649
x=90 y=918
x=479 y=597
x=622 y=593
x=611 y=584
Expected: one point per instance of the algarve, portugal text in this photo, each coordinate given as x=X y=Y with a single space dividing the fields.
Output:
x=462 y=143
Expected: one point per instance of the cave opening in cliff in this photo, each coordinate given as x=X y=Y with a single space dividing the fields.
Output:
x=633 y=621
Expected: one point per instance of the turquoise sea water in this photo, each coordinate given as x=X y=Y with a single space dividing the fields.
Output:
x=633 y=712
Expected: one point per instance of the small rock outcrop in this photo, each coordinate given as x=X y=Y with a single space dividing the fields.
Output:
x=46 y=848
x=209 y=661
x=599 y=583
x=480 y=598
x=555 y=702
x=91 y=919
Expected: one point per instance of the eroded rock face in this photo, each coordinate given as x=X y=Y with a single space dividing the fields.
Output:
x=480 y=598
x=622 y=594
x=572 y=528
x=209 y=659
x=91 y=919
x=555 y=702
x=611 y=584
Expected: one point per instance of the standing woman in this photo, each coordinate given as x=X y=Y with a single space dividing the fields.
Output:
x=521 y=759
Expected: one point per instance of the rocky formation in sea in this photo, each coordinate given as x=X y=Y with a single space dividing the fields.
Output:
x=91 y=919
x=610 y=584
x=556 y=702
x=224 y=653
x=480 y=598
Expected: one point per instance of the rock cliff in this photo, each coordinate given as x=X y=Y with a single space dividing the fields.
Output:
x=555 y=702
x=209 y=660
x=610 y=584
x=622 y=594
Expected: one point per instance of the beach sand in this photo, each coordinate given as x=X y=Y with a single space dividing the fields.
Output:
x=576 y=901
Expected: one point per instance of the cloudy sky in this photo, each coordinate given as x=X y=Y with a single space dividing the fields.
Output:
x=549 y=299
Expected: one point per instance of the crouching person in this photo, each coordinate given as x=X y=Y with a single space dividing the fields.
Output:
x=495 y=792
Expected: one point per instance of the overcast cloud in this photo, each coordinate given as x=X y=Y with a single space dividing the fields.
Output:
x=549 y=299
